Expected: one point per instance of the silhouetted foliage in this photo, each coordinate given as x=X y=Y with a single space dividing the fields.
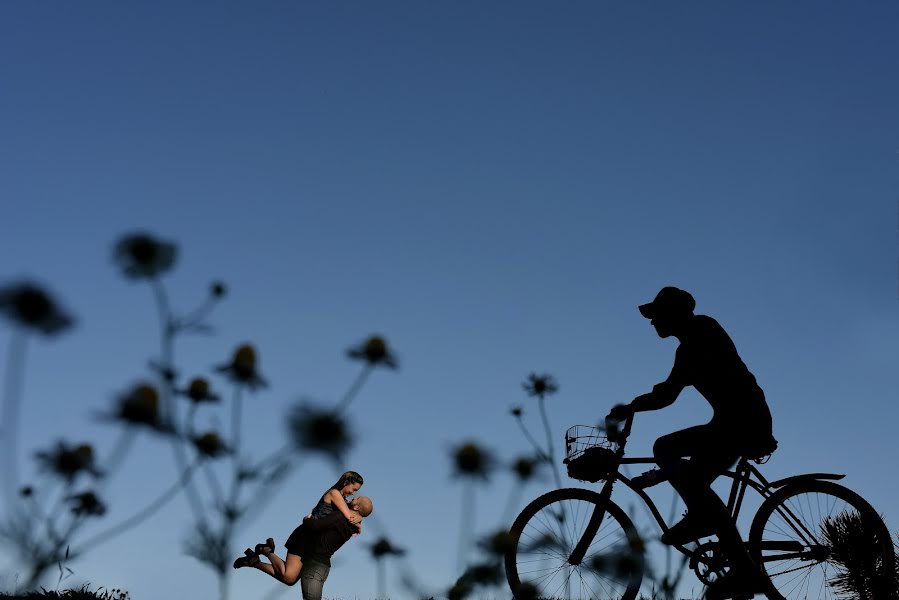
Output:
x=374 y=351
x=142 y=256
x=29 y=306
x=242 y=368
x=855 y=548
x=67 y=461
x=320 y=430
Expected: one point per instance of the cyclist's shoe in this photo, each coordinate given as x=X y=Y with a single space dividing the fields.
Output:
x=648 y=479
x=737 y=584
x=687 y=530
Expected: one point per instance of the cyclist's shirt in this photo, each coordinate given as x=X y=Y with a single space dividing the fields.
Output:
x=707 y=359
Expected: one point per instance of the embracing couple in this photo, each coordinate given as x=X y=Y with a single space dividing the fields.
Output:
x=334 y=520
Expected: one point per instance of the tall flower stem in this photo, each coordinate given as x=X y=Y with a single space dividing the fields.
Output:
x=236 y=480
x=236 y=406
x=118 y=453
x=12 y=400
x=381 y=578
x=550 y=455
x=513 y=499
x=354 y=388
x=143 y=514
x=167 y=335
x=467 y=523
x=541 y=454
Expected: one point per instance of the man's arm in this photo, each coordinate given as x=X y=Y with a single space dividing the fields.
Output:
x=662 y=394
x=325 y=522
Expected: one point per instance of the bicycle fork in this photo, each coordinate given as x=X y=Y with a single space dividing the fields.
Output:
x=599 y=513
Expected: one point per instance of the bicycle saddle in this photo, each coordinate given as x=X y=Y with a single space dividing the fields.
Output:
x=761 y=448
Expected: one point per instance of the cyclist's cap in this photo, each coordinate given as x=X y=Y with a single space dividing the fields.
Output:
x=670 y=301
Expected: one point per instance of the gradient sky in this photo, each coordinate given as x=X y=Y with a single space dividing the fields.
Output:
x=492 y=186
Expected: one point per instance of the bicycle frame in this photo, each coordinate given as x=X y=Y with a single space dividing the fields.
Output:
x=744 y=476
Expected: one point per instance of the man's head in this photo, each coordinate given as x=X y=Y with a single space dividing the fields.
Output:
x=669 y=311
x=362 y=505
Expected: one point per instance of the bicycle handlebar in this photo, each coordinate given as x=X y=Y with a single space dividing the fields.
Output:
x=620 y=435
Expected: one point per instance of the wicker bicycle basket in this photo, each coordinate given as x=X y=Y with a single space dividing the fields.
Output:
x=589 y=454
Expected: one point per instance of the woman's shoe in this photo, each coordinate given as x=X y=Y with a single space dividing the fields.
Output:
x=249 y=560
x=266 y=548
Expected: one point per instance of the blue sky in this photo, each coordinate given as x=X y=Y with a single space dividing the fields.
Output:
x=492 y=186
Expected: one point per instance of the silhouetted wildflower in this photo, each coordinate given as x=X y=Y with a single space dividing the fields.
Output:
x=139 y=406
x=382 y=547
x=87 y=503
x=242 y=368
x=525 y=591
x=167 y=372
x=142 y=256
x=620 y=564
x=209 y=445
x=28 y=306
x=375 y=352
x=484 y=574
x=470 y=460
x=198 y=391
x=540 y=385
x=856 y=550
x=460 y=590
x=26 y=492
x=524 y=467
x=68 y=461
x=499 y=543
x=516 y=411
x=209 y=547
x=218 y=289
x=320 y=430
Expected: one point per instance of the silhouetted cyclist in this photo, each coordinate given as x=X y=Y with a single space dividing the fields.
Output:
x=741 y=425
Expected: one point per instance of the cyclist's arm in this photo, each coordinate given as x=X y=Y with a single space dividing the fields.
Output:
x=665 y=393
x=662 y=395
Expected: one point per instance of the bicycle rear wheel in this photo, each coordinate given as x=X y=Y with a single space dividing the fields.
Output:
x=817 y=539
x=546 y=532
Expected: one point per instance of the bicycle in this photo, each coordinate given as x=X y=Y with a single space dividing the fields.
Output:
x=563 y=542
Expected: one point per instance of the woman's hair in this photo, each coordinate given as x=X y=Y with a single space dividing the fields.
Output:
x=348 y=478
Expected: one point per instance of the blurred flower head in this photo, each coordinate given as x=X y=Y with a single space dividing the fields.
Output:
x=382 y=547
x=472 y=461
x=499 y=543
x=525 y=467
x=516 y=411
x=30 y=307
x=460 y=590
x=87 y=503
x=26 y=491
x=242 y=368
x=142 y=256
x=218 y=289
x=319 y=430
x=139 y=406
x=374 y=351
x=489 y=573
x=198 y=391
x=67 y=461
x=540 y=386
x=209 y=445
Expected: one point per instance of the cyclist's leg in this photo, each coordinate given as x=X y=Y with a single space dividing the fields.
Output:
x=694 y=484
x=711 y=453
x=670 y=450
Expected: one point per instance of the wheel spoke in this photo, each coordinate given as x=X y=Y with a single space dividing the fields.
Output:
x=544 y=543
x=792 y=538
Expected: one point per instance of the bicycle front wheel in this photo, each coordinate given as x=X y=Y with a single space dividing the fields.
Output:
x=817 y=539
x=547 y=531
